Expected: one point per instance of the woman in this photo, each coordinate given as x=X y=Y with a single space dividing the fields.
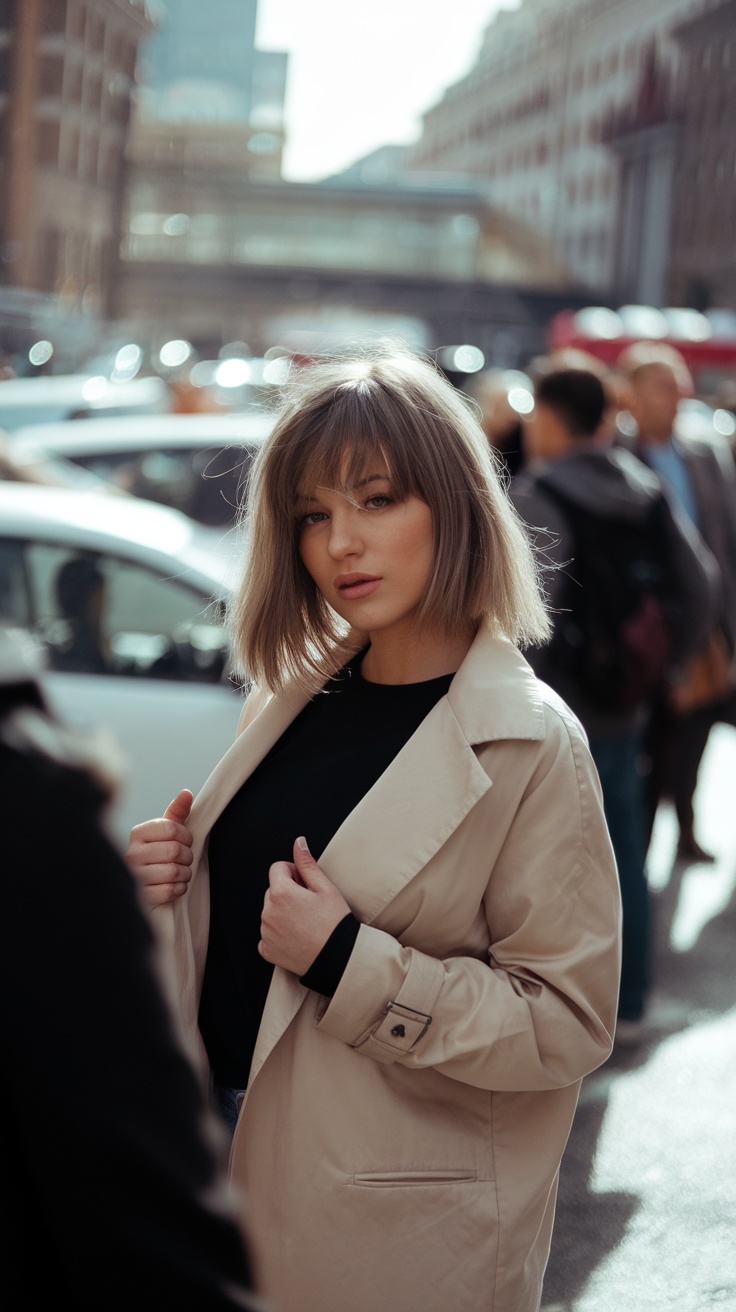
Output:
x=446 y=970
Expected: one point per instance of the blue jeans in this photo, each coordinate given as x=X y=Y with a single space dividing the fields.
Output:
x=228 y=1103
x=623 y=788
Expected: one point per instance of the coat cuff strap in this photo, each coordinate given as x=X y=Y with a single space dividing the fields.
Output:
x=408 y=1016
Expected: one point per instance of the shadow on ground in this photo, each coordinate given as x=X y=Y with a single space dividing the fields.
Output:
x=690 y=988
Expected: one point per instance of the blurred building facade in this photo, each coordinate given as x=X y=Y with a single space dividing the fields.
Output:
x=223 y=257
x=216 y=244
x=703 y=267
x=533 y=118
x=66 y=76
x=206 y=94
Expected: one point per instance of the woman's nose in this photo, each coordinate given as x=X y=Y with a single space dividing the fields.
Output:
x=345 y=538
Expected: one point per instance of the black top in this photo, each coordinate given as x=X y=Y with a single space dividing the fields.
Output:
x=313 y=777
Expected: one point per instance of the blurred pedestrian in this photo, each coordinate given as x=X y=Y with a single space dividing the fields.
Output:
x=500 y=421
x=80 y=595
x=630 y=598
x=113 y=1180
x=447 y=971
x=700 y=479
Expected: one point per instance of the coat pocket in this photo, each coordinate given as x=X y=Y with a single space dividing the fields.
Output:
x=404 y=1179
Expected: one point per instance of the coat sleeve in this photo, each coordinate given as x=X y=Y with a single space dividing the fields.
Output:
x=540 y=1011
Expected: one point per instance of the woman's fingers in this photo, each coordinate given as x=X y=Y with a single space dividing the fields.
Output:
x=157 y=895
x=160 y=853
x=160 y=831
x=172 y=853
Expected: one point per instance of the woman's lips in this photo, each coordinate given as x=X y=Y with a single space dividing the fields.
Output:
x=353 y=586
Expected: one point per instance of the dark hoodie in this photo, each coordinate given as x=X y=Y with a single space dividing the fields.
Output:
x=612 y=482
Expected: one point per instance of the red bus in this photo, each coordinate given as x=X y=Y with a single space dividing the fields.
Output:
x=706 y=341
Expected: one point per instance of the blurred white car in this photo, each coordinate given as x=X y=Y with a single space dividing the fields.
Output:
x=48 y=398
x=129 y=610
x=195 y=463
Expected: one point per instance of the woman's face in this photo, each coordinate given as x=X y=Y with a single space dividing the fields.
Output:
x=369 y=554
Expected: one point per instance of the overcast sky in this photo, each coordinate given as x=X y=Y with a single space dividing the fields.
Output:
x=361 y=72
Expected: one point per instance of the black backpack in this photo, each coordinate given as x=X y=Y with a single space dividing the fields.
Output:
x=611 y=635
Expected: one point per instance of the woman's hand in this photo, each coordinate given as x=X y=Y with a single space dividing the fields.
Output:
x=300 y=911
x=160 y=853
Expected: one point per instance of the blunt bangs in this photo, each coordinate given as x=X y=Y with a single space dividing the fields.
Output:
x=332 y=447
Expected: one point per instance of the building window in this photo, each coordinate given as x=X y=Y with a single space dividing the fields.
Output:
x=71 y=152
x=73 y=85
x=53 y=16
x=109 y=164
x=93 y=92
x=76 y=21
x=4 y=70
x=49 y=250
x=95 y=32
x=50 y=76
x=47 y=142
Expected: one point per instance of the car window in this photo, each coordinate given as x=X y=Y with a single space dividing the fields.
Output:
x=205 y=484
x=103 y=615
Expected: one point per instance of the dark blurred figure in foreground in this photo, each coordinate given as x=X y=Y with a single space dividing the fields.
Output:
x=111 y=1174
x=699 y=478
x=630 y=596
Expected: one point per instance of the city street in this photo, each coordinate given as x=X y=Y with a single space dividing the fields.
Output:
x=647 y=1206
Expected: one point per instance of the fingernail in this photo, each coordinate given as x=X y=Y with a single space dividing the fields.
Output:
x=302 y=844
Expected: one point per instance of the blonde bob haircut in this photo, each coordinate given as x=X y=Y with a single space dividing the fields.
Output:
x=336 y=417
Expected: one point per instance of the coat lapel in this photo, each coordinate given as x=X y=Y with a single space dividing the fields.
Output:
x=407 y=815
x=419 y=801
x=188 y=921
x=394 y=831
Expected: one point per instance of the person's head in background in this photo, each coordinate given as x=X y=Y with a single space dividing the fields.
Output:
x=573 y=358
x=500 y=421
x=569 y=408
x=656 y=378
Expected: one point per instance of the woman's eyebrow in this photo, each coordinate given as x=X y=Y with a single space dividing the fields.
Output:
x=363 y=482
x=372 y=478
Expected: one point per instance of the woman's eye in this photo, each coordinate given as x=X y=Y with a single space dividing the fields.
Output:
x=378 y=501
x=312 y=517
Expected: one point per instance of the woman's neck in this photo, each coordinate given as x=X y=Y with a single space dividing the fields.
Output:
x=414 y=659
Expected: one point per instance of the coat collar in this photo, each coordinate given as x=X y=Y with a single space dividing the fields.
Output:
x=404 y=819
x=494 y=695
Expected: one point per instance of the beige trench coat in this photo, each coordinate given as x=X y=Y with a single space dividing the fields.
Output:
x=400 y=1143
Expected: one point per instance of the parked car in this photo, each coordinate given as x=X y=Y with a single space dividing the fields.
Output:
x=49 y=398
x=128 y=608
x=194 y=463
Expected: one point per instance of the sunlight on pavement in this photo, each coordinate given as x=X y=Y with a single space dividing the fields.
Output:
x=657 y=1146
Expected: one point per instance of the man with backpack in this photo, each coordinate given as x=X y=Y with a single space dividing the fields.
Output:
x=630 y=590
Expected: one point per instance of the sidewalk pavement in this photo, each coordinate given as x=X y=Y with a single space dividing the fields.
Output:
x=646 y=1217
